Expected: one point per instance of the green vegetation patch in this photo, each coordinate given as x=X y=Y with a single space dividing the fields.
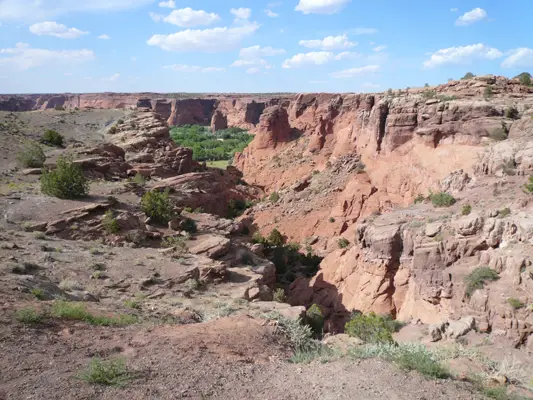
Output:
x=372 y=328
x=208 y=146
x=66 y=181
x=478 y=278
x=112 y=372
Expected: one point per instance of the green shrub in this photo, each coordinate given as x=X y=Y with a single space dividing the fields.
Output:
x=343 y=243
x=445 y=98
x=468 y=75
x=107 y=372
x=488 y=92
x=133 y=304
x=178 y=242
x=371 y=328
x=511 y=113
x=279 y=295
x=189 y=225
x=274 y=197
x=315 y=319
x=466 y=210
x=258 y=238
x=331 y=219
x=478 y=278
x=112 y=130
x=157 y=206
x=120 y=121
x=139 y=179
x=442 y=199
x=429 y=94
x=29 y=316
x=237 y=207
x=515 y=303
x=299 y=335
x=498 y=134
x=32 y=155
x=505 y=212
x=524 y=78
x=529 y=186
x=53 y=138
x=66 y=181
x=38 y=293
x=110 y=223
x=420 y=199
x=276 y=238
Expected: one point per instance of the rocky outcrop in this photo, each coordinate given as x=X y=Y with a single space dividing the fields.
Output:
x=219 y=121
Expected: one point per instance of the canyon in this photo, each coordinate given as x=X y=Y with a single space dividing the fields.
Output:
x=349 y=178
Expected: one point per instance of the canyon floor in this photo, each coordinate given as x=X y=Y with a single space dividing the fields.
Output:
x=191 y=315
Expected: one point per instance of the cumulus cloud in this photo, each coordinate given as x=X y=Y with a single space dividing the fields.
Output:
x=156 y=17
x=306 y=59
x=340 y=42
x=462 y=55
x=168 y=4
x=321 y=6
x=253 y=71
x=51 y=28
x=32 y=10
x=23 y=57
x=188 y=18
x=253 y=56
x=379 y=49
x=241 y=13
x=519 y=58
x=347 y=55
x=104 y=37
x=470 y=17
x=255 y=52
x=454 y=9
x=271 y=13
x=204 y=40
x=192 y=68
x=112 y=78
x=353 y=72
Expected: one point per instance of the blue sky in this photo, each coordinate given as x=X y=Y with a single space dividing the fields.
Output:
x=257 y=46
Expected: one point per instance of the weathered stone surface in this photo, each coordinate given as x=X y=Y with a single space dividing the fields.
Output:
x=210 y=245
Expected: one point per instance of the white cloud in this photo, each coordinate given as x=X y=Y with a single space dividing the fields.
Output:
x=112 y=78
x=253 y=56
x=353 y=72
x=156 y=17
x=188 y=18
x=88 y=78
x=255 y=52
x=206 y=40
x=253 y=71
x=321 y=6
x=271 y=14
x=68 y=74
x=318 y=81
x=340 y=42
x=454 y=9
x=519 y=58
x=248 y=63
x=104 y=37
x=34 y=10
x=462 y=55
x=24 y=57
x=379 y=49
x=241 y=13
x=133 y=59
x=364 y=31
x=51 y=28
x=347 y=55
x=168 y=4
x=470 y=17
x=192 y=68
x=371 y=85
x=305 y=59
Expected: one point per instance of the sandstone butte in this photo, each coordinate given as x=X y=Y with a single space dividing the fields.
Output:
x=350 y=166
